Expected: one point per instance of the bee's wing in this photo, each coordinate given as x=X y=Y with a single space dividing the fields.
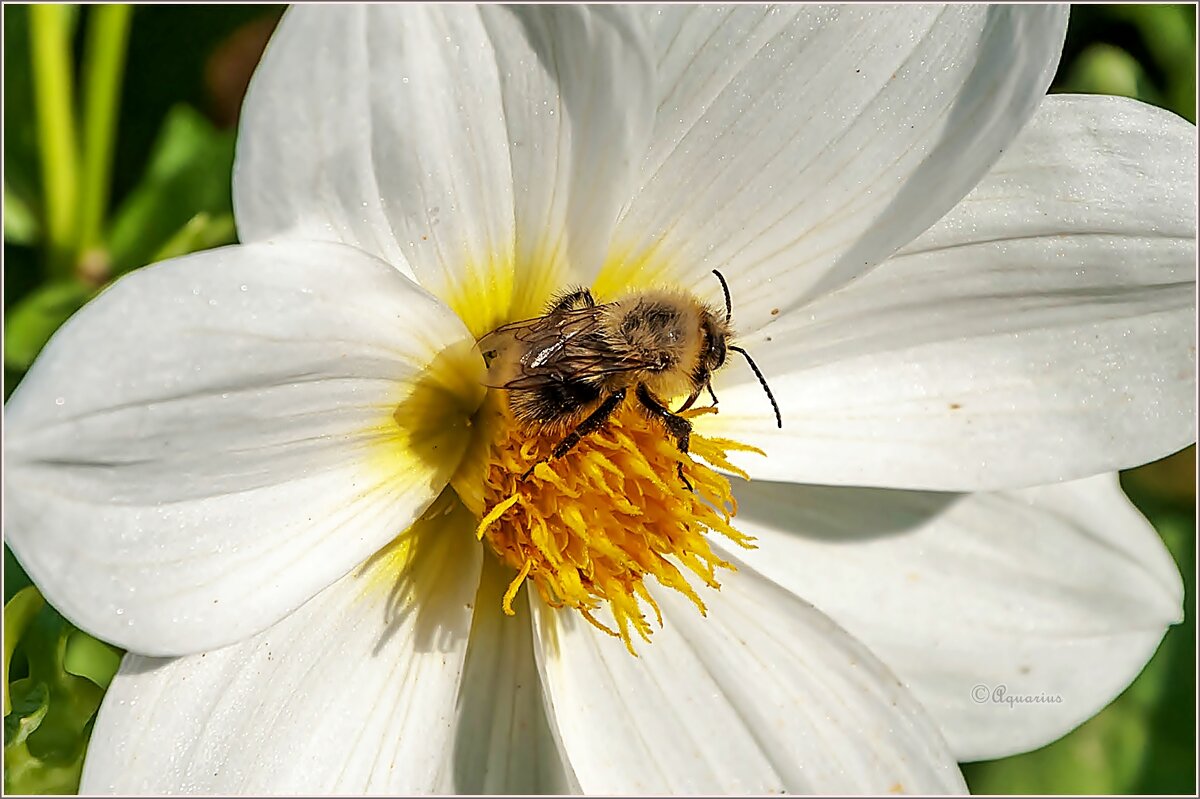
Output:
x=514 y=350
x=548 y=350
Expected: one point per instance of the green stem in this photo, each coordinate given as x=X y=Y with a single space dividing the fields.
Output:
x=103 y=67
x=50 y=39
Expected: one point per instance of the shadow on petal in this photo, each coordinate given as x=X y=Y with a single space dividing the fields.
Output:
x=433 y=422
x=971 y=127
x=417 y=567
x=504 y=743
x=866 y=513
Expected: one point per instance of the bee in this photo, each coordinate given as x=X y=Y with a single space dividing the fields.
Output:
x=572 y=368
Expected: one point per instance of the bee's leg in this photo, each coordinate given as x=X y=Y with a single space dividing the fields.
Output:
x=573 y=301
x=682 y=478
x=704 y=380
x=689 y=401
x=677 y=426
x=594 y=422
x=591 y=424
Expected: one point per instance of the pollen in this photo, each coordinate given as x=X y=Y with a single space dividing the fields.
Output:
x=589 y=529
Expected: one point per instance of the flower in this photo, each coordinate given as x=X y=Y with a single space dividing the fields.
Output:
x=269 y=462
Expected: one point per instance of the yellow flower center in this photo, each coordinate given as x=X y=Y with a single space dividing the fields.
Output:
x=589 y=528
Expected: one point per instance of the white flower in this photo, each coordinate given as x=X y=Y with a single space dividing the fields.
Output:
x=953 y=285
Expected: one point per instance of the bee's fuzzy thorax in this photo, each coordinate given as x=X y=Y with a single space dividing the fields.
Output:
x=666 y=327
x=581 y=359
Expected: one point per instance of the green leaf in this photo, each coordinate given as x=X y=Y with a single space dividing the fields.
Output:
x=1161 y=38
x=19 y=613
x=1106 y=69
x=29 y=325
x=21 y=180
x=51 y=37
x=30 y=703
x=101 y=74
x=20 y=220
x=1168 y=694
x=189 y=174
x=200 y=233
x=1101 y=757
x=15 y=577
x=22 y=273
x=92 y=658
x=1169 y=37
x=1170 y=480
x=50 y=758
x=161 y=74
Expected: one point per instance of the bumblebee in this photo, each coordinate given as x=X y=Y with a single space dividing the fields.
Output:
x=570 y=369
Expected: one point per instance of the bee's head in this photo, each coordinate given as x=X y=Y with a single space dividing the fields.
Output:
x=717 y=348
x=714 y=331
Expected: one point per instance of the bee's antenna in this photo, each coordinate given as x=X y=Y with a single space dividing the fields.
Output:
x=728 y=304
x=762 y=381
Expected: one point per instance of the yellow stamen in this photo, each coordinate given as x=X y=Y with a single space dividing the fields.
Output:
x=513 y=587
x=587 y=529
x=494 y=514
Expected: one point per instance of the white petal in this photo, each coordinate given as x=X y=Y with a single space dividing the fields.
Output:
x=1061 y=592
x=353 y=693
x=506 y=744
x=1043 y=330
x=765 y=695
x=215 y=439
x=489 y=148
x=798 y=146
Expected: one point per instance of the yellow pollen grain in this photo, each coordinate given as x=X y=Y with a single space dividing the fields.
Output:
x=588 y=529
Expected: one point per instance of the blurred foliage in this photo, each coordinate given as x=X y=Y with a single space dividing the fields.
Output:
x=171 y=158
x=1142 y=51
x=187 y=177
x=55 y=679
x=169 y=151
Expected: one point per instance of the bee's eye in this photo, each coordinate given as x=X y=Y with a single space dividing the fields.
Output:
x=718 y=353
